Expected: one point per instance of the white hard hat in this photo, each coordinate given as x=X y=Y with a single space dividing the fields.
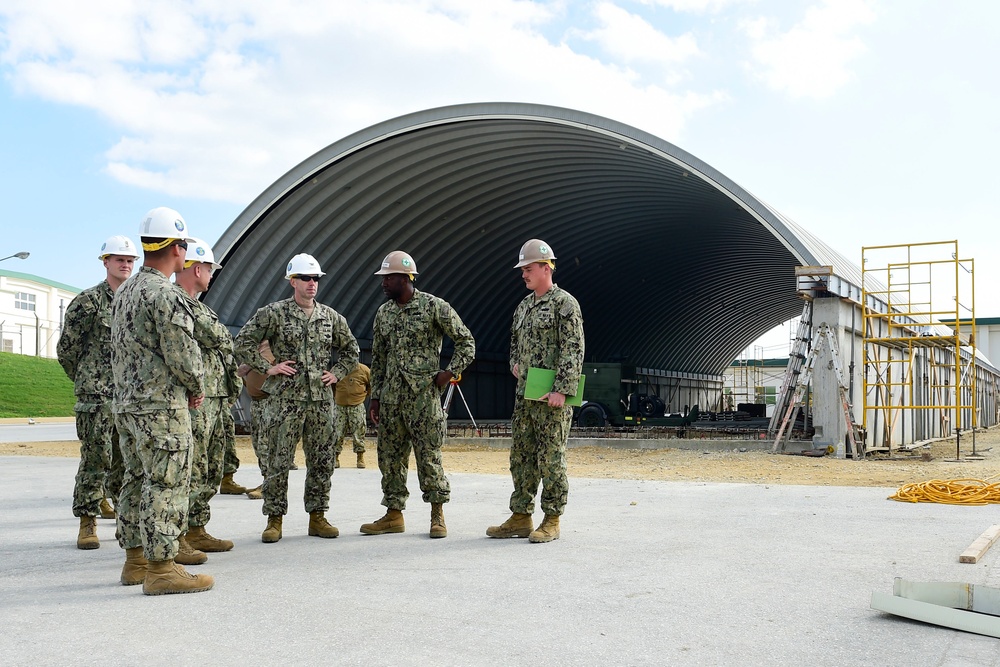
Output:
x=199 y=251
x=118 y=245
x=163 y=223
x=303 y=264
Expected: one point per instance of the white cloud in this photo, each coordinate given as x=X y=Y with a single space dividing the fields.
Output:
x=632 y=39
x=694 y=6
x=217 y=99
x=813 y=58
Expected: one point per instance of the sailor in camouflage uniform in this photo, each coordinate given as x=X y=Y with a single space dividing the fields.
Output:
x=349 y=411
x=406 y=391
x=84 y=352
x=304 y=337
x=208 y=423
x=158 y=375
x=259 y=429
x=547 y=332
x=230 y=462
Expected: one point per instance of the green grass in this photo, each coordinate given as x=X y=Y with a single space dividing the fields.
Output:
x=34 y=387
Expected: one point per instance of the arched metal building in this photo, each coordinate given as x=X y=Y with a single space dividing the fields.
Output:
x=675 y=266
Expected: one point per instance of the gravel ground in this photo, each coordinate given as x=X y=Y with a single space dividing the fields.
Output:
x=934 y=461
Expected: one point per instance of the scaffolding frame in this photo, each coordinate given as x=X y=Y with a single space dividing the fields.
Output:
x=914 y=365
x=748 y=373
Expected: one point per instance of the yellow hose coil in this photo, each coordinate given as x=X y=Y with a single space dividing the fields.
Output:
x=950 y=492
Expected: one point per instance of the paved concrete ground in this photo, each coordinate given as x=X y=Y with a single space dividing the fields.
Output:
x=645 y=573
x=48 y=431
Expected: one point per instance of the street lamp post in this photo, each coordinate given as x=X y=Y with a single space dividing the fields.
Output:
x=19 y=255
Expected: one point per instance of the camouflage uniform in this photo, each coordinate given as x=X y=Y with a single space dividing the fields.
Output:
x=84 y=352
x=406 y=356
x=349 y=408
x=547 y=332
x=157 y=365
x=230 y=461
x=300 y=406
x=210 y=429
x=259 y=428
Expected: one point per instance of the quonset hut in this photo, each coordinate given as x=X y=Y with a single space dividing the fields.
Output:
x=676 y=267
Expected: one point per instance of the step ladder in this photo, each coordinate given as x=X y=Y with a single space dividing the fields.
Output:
x=824 y=337
x=453 y=386
x=796 y=360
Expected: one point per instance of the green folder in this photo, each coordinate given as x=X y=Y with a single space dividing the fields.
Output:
x=540 y=380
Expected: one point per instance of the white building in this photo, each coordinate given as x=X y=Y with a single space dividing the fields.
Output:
x=31 y=313
x=987 y=336
x=753 y=381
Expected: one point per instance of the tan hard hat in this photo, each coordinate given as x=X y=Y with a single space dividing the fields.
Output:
x=397 y=261
x=535 y=250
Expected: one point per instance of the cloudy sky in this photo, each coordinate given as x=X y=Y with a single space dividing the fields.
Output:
x=868 y=122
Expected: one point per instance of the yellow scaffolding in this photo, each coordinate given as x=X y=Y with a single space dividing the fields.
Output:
x=911 y=361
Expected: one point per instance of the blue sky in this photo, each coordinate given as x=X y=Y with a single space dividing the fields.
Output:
x=868 y=122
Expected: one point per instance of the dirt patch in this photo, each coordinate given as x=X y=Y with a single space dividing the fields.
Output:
x=937 y=461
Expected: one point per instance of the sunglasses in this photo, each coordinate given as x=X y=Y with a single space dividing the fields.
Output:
x=183 y=244
x=308 y=279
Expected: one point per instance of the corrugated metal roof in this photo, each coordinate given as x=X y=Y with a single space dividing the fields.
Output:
x=675 y=266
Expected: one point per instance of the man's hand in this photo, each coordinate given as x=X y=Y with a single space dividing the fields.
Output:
x=373 y=410
x=284 y=368
x=328 y=378
x=442 y=378
x=194 y=402
x=514 y=371
x=555 y=399
x=243 y=370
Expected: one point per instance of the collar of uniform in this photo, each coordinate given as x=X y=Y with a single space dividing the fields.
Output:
x=149 y=269
x=412 y=302
x=545 y=297
x=296 y=309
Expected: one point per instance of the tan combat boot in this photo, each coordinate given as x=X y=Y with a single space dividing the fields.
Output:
x=438 y=529
x=134 y=571
x=392 y=522
x=320 y=527
x=230 y=488
x=87 y=537
x=198 y=538
x=107 y=511
x=255 y=494
x=188 y=555
x=273 y=531
x=518 y=525
x=361 y=459
x=164 y=577
x=548 y=531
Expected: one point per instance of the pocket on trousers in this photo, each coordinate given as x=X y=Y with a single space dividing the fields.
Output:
x=171 y=430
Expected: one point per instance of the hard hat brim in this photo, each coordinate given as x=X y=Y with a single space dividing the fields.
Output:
x=521 y=265
x=389 y=272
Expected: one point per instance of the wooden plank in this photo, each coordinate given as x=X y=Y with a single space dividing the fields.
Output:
x=980 y=546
